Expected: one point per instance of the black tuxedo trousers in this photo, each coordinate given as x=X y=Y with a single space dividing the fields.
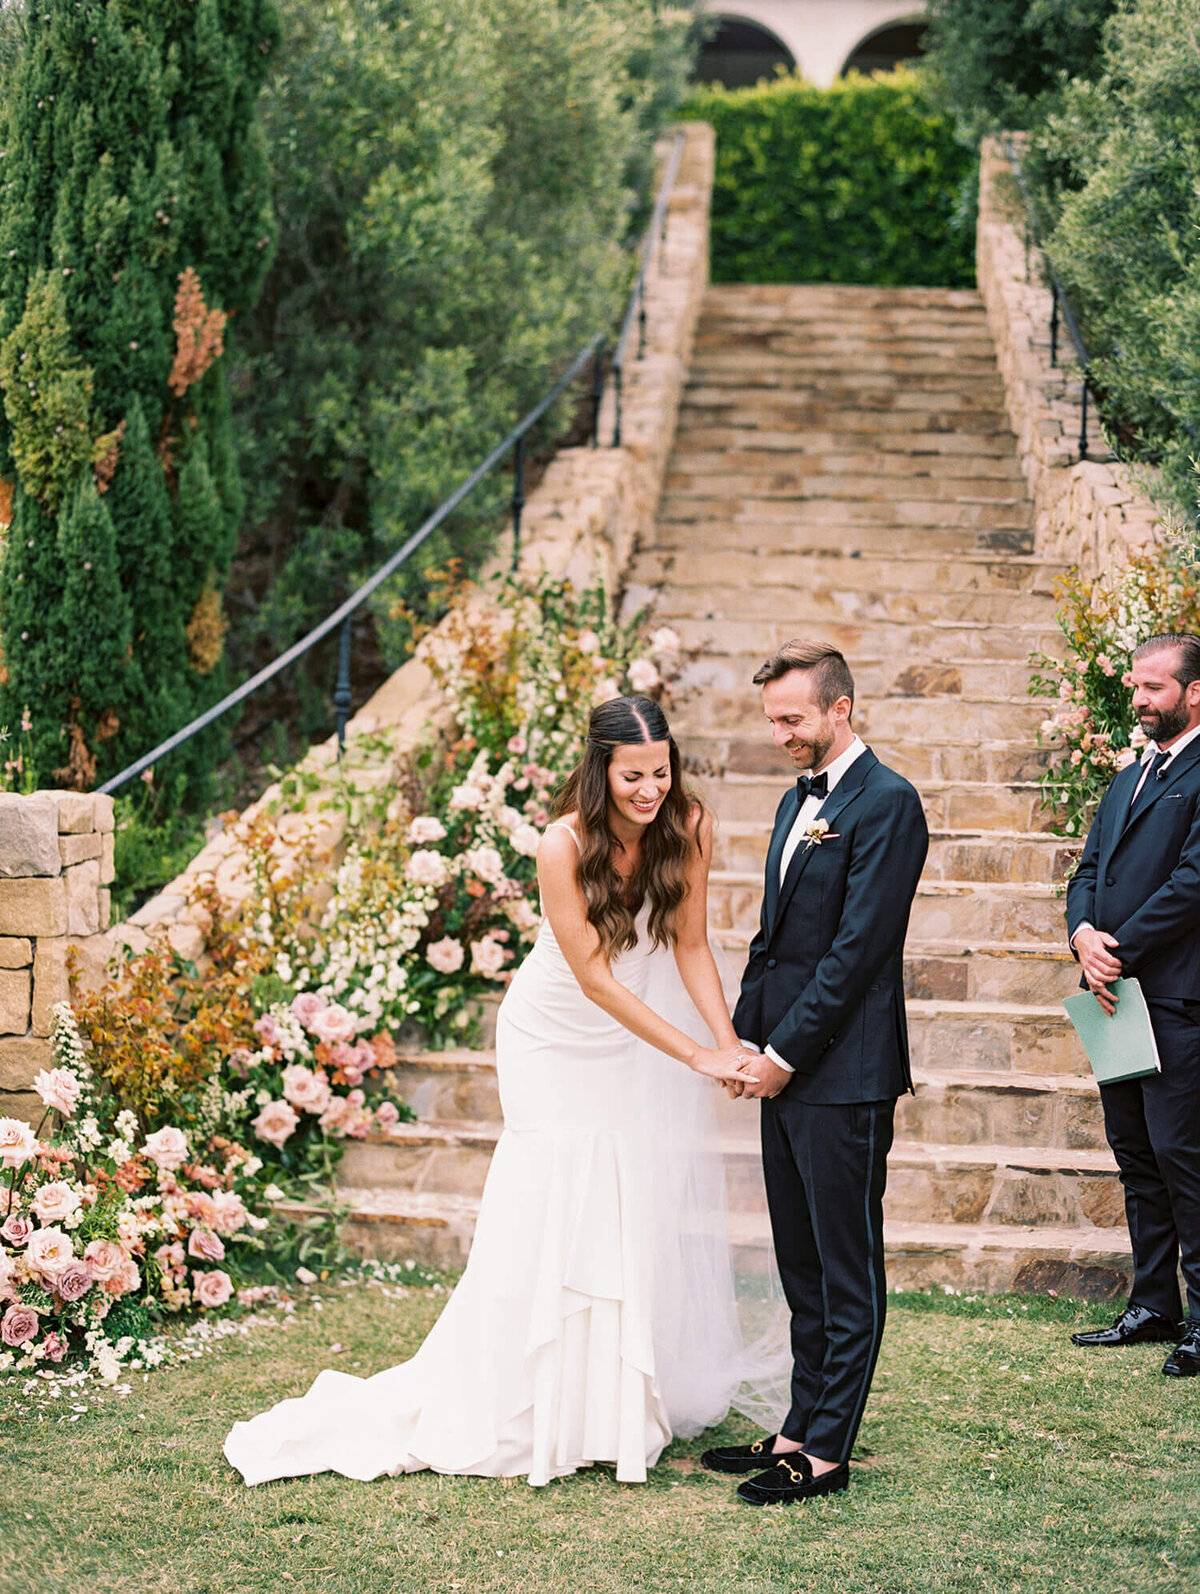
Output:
x=823 y=988
x=1139 y=879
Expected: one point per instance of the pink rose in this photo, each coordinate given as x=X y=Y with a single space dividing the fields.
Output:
x=306 y=1007
x=59 y=1089
x=75 y=1280
x=427 y=868
x=525 y=839
x=267 y=1029
x=211 y=1289
x=337 y=1117
x=387 y=1115
x=1104 y=663
x=18 y=1143
x=587 y=642
x=487 y=957
x=486 y=863
x=228 y=1212
x=106 y=1259
x=18 y=1324
x=424 y=829
x=305 y=1089
x=167 y=1148
x=446 y=955
x=53 y=1347
x=16 y=1228
x=334 y=1024
x=606 y=690
x=517 y=745
x=643 y=676
x=55 y=1202
x=124 y=1282
x=276 y=1122
x=664 y=640
x=48 y=1252
x=206 y=1246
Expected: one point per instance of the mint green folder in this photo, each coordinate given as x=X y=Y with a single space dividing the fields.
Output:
x=1120 y=1047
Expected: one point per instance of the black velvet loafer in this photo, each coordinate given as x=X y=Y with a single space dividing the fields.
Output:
x=1184 y=1360
x=791 y=1478
x=738 y=1459
x=1135 y=1326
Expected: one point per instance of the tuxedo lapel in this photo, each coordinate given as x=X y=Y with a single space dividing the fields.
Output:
x=1158 y=790
x=779 y=836
x=842 y=795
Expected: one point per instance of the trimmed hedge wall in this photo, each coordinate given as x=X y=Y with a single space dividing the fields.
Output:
x=862 y=182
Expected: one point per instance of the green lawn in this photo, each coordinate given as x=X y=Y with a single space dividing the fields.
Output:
x=994 y=1456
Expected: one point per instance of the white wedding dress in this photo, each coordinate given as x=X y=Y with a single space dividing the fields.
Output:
x=596 y=1317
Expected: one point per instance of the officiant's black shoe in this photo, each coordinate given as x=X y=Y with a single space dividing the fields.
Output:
x=791 y=1478
x=1184 y=1360
x=738 y=1459
x=1135 y=1326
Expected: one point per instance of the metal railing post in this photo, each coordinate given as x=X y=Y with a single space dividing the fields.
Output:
x=1053 y=329
x=618 y=371
x=342 y=698
x=1083 y=419
x=597 y=392
x=518 y=496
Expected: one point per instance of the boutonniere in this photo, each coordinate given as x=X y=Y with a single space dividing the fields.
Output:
x=817 y=831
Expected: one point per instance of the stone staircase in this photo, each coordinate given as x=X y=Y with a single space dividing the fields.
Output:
x=843 y=469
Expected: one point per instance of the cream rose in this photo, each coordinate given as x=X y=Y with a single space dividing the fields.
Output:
x=105 y=1258
x=486 y=863
x=526 y=839
x=167 y=1147
x=487 y=957
x=59 y=1089
x=276 y=1122
x=424 y=829
x=427 y=868
x=643 y=676
x=18 y=1143
x=49 y=1251
x=55 y=1203
x=335 y=1024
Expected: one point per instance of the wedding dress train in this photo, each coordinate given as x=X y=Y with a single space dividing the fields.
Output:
x=596 y=1316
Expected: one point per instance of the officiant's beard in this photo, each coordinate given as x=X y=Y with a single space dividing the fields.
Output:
x=1164 y=725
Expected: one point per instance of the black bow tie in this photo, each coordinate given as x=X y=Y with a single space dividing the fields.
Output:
x=813 y=785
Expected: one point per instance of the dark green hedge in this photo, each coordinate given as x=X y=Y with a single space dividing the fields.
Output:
x=862 y=182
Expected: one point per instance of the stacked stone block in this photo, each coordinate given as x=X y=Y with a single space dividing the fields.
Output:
x=56 y=862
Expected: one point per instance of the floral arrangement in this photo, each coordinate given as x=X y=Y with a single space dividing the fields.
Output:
x=105 y=1228
x=1091 y=731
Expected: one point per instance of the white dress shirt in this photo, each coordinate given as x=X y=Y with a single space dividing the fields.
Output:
x=1149 y=753
x=809 y=809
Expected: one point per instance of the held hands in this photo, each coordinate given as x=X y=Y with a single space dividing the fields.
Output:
x=1100 y=967
x=768 y=1078
x=727 y=1064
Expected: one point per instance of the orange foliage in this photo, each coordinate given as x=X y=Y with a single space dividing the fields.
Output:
x=106 y=451
x=5 y=504
x=199 y=334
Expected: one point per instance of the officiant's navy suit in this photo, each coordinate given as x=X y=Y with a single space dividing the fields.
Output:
x=824 y=988
x=1139 y=879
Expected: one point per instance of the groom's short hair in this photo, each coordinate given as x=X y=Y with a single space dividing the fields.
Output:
x=830 y=672
x=1187 y=663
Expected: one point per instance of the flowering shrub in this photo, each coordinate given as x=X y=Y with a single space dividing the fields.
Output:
x=104 y=1227
x=1092 y=729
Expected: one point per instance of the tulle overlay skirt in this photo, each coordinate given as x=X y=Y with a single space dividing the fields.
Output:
x=596 y=1317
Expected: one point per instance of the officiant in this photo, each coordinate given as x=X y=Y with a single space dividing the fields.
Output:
x=1133 y=910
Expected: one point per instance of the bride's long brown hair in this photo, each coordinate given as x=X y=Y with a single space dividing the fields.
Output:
x=668 y=841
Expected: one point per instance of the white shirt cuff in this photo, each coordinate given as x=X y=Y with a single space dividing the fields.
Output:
x=1086 y=925
x=778 y=1061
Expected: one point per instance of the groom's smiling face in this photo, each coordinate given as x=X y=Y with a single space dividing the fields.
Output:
x=801 y=727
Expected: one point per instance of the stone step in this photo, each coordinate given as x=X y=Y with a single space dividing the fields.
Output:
x=960 y=855
x=942 y=910
x=1091 y=1261
x=938 y=494
x=791 y=297
x=742 y=573
x=926 y=1183
x=949 y=805
x=739 y=534
x=755 y=753
x=985 y=514
x=960 y=970
x=812 y=596
x=829 y=394
x=916 y=431
x=722 y=660
x=955 y=1038
x=865 y=366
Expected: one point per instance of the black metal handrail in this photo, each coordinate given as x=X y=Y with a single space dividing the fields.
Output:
x=342 y=616
x=1060 y=305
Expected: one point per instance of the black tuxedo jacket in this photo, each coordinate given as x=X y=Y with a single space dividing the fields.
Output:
x=824 y=984
x=1139 y=877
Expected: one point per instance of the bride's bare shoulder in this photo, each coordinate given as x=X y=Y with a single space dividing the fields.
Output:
x=560 y=839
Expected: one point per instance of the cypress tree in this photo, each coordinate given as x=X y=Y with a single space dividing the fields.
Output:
x=134 y=221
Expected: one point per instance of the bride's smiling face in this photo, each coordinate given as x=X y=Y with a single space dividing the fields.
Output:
x=639 y=777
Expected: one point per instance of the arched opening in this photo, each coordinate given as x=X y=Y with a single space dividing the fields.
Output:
x=739 y=53
x=887 y=48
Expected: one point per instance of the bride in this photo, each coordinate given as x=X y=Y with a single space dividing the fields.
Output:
x=596 y=1317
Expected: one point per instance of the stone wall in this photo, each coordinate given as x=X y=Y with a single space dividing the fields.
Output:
x=1088 y=512
x=589 y=511
x=56 y=861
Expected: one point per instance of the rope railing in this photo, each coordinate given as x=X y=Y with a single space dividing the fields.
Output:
x=591 y=353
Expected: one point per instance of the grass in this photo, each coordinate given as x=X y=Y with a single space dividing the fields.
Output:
x=994 y=1457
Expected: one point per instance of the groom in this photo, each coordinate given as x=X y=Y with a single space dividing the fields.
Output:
x=823 y=998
